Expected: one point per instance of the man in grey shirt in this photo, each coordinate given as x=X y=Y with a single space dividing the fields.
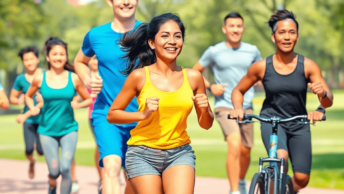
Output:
x=230 y=61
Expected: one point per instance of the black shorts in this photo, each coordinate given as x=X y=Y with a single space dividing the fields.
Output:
x=296 y=142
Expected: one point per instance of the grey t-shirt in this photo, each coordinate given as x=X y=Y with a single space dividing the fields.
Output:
x=229 y=66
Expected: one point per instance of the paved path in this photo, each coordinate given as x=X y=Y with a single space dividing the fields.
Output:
x=14 y=180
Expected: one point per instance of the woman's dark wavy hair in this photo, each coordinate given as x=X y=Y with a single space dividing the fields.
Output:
x=282 y=15
x=49 y=44
x=135 y=43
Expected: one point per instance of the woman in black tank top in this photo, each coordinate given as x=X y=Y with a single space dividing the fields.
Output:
x=286 y=77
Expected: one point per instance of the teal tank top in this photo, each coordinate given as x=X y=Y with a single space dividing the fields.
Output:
x=57 y=115
x=21 y=84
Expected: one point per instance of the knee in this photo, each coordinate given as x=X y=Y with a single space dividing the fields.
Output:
x=65 y=170
x=234 y=146
x=301 y=180
x=245 y=152
x=39 y=152
x=112 y=171
x=283 y=154
x=54 y=174
x=28 y=151
x=54 y=170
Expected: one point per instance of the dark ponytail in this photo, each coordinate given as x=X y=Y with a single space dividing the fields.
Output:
x=135 y=43
x=49 y=44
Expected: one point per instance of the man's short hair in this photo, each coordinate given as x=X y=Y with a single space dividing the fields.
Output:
x=233 y=15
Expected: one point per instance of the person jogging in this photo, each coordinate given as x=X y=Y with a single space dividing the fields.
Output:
x=4 y=103
x=58 y=127
x=29 y=57
x=159 y=150
x=286 y=76
x=102 y=41
x=230 y=60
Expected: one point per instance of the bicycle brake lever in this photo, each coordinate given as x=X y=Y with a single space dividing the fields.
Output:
x=305 y=123
x=245 y=122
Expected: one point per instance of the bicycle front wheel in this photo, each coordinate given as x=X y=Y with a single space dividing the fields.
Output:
x=287 y=185
x=257 y=184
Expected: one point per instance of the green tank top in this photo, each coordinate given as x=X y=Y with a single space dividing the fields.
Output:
x=57 y=115
x=21 y=84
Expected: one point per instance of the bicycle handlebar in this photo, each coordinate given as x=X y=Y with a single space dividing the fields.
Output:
x=276 y=119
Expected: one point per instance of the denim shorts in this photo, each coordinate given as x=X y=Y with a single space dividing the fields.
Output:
x=143 y=160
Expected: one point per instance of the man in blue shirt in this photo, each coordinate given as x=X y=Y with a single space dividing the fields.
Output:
x=230 y=61
x=102 y=41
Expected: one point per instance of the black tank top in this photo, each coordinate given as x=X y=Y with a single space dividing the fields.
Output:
x=285 y=94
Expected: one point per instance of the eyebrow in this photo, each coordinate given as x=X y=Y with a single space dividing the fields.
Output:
x=287 y=29
x=169 y=32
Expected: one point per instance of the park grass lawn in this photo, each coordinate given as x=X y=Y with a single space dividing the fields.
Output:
x=210 y=147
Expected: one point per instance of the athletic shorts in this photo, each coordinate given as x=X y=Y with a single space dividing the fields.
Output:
x=297 y=143
x=111 y=139
x=229 y=126
x=143 y=160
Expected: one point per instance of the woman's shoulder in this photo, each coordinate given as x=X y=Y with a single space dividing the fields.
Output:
x=138 y=74
x=193 y=73
x=309 y=62
x=259 y=65
x=37 y=80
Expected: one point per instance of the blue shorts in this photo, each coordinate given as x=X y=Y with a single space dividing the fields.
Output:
x=111 y=139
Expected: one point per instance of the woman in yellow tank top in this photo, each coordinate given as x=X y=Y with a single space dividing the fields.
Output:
x=159 y=158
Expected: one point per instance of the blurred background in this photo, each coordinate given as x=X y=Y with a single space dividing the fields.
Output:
x=31 y=22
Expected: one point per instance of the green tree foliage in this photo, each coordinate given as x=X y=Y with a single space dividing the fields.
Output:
x=321 y=26
x=19 y=20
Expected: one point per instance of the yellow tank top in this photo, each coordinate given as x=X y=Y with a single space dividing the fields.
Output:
x=166 y=128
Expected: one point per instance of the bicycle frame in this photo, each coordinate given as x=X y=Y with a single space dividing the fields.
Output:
x=273 y=171
x=273 y=160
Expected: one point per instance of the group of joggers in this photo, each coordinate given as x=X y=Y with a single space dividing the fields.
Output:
x=143 y=99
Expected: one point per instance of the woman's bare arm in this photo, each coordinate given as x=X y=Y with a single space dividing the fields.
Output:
x=254 y=74
x=204 y=114
x=117 y=113
x=318 y=85
x=35 y=85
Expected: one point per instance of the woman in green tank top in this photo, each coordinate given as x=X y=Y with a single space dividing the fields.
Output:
x=58 y=127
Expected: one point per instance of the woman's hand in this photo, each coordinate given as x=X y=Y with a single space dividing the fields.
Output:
x=315 y=116
x=317 y=88
x=20 y=119
x=201 y=101
x=237 y=114
x=152 y=105
x=35 y=111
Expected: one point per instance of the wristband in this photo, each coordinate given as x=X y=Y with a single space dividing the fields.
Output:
x=208 y=88
x=321 y=109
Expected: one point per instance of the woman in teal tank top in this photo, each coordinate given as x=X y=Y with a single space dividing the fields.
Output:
x=58 y=127
x=29 y=57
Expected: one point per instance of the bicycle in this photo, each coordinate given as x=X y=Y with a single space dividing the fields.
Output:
x=261 y=181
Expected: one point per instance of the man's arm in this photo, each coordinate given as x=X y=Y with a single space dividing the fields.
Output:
x=92 y=81
x=216 y=89
x=81 y=66
x=200 y=68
